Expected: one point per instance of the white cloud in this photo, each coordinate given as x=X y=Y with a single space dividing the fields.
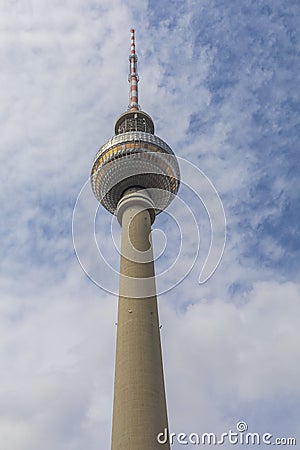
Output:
x=233 y=356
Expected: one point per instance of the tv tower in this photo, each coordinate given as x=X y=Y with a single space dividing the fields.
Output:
x=135 y=176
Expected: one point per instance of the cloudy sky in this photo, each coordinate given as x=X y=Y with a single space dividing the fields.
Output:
x=221 y=80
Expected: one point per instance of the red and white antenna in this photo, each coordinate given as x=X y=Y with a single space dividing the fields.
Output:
x=133 y=77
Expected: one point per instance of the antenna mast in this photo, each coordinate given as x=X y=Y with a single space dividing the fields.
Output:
x=133 y=77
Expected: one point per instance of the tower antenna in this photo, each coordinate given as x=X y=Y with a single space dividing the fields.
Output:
x=133 y=77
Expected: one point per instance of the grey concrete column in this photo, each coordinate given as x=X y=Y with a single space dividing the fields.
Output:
x=139 y=411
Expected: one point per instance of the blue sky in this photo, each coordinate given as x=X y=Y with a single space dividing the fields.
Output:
x=221 y=81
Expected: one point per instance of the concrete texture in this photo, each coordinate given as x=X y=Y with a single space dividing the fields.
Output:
x=139 y=412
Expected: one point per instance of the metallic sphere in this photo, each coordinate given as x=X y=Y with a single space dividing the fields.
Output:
x=135 y=157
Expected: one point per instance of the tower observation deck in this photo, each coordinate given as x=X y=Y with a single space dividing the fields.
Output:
x=135 y=175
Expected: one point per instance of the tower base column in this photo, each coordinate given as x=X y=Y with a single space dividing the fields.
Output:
x=139 y=412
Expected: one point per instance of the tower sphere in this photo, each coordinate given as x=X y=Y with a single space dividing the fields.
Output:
x=135 y=157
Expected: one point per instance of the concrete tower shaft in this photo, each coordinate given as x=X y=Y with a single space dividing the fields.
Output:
x=139 y=411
